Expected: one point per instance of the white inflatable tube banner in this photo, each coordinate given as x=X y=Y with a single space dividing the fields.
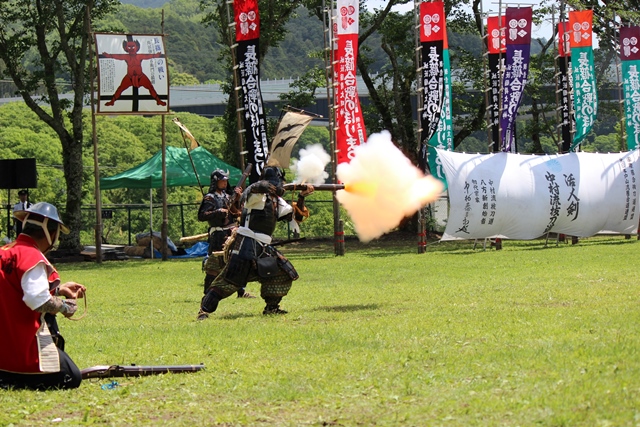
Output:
x=522 y=197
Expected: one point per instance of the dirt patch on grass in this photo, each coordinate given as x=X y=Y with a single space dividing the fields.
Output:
x=393 y=240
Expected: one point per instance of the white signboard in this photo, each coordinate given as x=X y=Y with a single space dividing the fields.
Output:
x=133 y=74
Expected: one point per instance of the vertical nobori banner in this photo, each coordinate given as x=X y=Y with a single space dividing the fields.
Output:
x=585 y=94
x=432 y=31
x=564 y=85
x=518 y=39
x=247 y=20
x=443 y=133
x=133 y=76
x=496 y=47
x=350 y=130
x=630 y=56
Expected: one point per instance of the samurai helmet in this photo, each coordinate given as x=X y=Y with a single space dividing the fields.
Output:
x=40 y=214
x=218 y=175
x=274 y=175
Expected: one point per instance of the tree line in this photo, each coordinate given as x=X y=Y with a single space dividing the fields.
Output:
x=49 y=56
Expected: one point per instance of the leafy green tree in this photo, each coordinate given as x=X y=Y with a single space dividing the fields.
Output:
x=274 y=16
x=183 y=79
x=391 y=89
x=124 y=142
x=39 y=42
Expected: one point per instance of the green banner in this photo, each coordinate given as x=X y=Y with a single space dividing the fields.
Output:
x=443 y=138
x=631 y=87
x=585 y=95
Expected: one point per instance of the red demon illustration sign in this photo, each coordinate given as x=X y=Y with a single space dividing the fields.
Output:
x=133 y=75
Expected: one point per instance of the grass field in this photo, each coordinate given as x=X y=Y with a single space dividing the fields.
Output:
x=383 y=336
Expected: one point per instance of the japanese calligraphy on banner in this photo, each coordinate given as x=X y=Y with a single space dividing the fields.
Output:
x=496 y=44
x=518 y=40
x=443 y=138
x=564 y=85
x=350 y=130
x=585 y=95
x=133 y=76
x=432 y=35
x=630 y=56
x=247 y=20
x=436 y=120
x=523 y=197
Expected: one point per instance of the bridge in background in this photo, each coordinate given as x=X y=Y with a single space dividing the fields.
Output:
x=208 y=100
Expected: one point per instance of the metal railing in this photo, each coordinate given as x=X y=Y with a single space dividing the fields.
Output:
x=121 y=223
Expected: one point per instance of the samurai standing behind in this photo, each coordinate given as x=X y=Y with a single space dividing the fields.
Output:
x=250 y=254
x=221 y=214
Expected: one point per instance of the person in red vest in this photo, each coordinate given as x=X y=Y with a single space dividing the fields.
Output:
x=32 y=353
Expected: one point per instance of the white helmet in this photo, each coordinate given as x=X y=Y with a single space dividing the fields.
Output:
x=48 y=212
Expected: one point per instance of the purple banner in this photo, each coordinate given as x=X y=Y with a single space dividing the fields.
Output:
x=518 y=39
x=514 y=80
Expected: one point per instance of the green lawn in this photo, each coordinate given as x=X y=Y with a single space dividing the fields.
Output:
x=380 y=337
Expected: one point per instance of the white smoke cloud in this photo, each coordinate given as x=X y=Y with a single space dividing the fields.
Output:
x=383 y=187
x=310 y=169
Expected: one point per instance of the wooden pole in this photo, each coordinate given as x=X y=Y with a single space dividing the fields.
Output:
x=164 y=229
x=236 y=82
x=422 y=214
x=338 y=234
x=94 y=137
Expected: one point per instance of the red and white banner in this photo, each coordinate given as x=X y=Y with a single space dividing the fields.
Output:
x=564 y=35
x=350 y=130
x=247 y=19
x=133 y=75
x=495 y=32
x=580 y=28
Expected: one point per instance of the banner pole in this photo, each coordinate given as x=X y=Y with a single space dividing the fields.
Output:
x=422 y=214
x=623 y=119
x=328 y=39
x=94 y=137
x=500 y=79
x=486 y=76
x=556 y=73
x=164 y=229
x=236 y=87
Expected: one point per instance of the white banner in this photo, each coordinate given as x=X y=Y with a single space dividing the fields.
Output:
x=523 y=197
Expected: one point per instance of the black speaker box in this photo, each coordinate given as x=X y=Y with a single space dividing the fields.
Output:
x=18 y=173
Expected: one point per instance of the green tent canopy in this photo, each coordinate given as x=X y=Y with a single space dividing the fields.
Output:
x=179 y=171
